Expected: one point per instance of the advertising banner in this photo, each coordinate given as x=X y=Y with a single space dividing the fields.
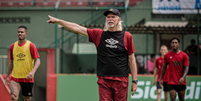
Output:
x=148 y=92
x=175 y=6
x=85 y=88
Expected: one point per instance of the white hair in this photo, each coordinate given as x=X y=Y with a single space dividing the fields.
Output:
x=119 y=25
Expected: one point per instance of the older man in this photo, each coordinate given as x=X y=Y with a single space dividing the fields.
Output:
x=115 y=54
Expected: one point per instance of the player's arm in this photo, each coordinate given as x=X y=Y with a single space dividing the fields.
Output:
x=133 y=69
x=36 y=57
x=10 y=67
x=36 y=65
x=163 y=71
x=186 y=68
x=155 y=73
x=69 y=25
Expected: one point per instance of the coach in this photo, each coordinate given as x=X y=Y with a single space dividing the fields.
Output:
x=115 y=54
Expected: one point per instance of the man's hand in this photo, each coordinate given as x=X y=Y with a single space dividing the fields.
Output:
x=30 y=75
x=161 y=83
x=52 y=20
x=133 y=88
x=181 y=81
x=7 y=81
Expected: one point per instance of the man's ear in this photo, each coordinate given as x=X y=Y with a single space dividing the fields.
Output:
x=119 y=19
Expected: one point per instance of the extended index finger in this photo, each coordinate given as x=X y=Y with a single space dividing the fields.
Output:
x=133 y=92
x=49 y=16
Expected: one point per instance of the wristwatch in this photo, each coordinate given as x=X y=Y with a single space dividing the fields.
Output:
x=135 y=81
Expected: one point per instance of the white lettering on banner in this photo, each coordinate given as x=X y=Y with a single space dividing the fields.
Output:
x=139 y=91
x=197 y=92
x=152 y=93
x=146 y=95
x=147 y=91
x=170 y=5
x=190 y=89
x=174 y=6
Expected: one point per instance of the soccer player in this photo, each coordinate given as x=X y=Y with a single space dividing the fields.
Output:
x=23 y=55
x=115 y=54
x=157 y=71
x=178 y=69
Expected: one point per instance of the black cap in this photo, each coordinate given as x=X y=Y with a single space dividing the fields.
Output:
x=112 y=10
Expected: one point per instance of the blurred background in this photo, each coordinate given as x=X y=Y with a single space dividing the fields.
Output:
x=68 y=60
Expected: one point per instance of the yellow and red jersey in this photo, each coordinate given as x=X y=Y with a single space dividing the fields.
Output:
x=23 y=56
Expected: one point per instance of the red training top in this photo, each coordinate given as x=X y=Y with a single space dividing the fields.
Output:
x=159 y=65
x=176 y=62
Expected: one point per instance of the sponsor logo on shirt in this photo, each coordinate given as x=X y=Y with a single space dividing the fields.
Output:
x=111 y=43
x=177 y=63
x=20 y=56
x=170 y=57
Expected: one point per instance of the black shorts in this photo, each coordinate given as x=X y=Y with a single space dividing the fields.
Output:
x=165 y=89
x=158 y=85
x=164 y=86
x=26 y=88
x=176 y=87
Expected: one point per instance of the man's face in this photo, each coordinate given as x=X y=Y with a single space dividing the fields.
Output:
x=175 y=44
x=112 y=20
x=21 y=33
x=193 y=43
x=163 y=50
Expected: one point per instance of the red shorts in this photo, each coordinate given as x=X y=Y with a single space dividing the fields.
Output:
x=22 y=80
x=112 y=90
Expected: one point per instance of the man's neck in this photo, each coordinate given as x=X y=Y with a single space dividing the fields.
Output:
x=112 y=29
x=22 y=41
x=176 y=51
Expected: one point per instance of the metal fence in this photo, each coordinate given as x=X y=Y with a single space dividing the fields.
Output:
x=3 y=64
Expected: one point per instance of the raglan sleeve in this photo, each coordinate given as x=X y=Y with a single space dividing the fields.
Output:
x=95 y=35
x=128 y=42
x=34 y=51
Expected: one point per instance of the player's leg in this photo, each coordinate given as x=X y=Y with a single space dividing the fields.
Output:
x=181 y=95
x=105 y=92
x=26 y=90
x=158 y=91
x=172 y=92
x=158 y=94
x=27 y=98
x=165 y=90
x=120 y=90
x=15 y=90
x=172 y=95
x=181 y=92
x=165 y=96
